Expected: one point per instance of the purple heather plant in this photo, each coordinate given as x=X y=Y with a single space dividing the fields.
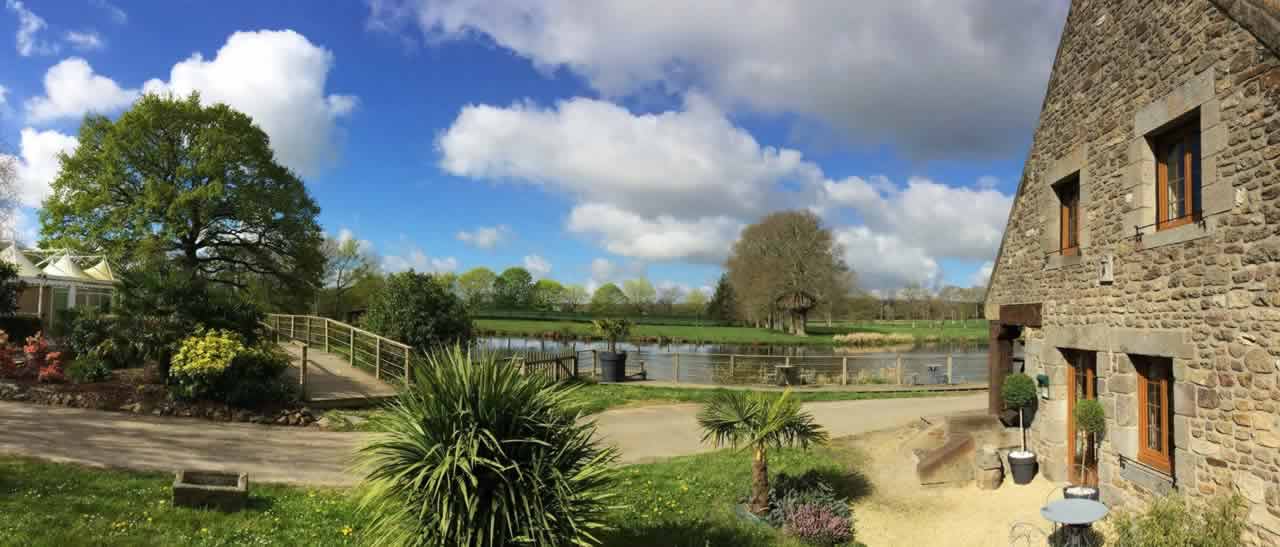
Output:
x=818 y=524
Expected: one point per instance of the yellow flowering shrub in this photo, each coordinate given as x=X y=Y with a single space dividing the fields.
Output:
x=202 y=359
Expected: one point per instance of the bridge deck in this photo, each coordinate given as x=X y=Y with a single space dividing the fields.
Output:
x=332 y=382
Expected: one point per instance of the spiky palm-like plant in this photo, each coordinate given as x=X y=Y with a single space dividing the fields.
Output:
x=759 y=421
x=475 y=454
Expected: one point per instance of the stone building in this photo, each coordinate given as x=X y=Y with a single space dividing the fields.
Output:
x=1141 y=262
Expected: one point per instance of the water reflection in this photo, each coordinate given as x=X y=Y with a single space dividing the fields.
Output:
x=921 y=363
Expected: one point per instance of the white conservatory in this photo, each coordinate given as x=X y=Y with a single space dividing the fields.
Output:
x=56 y=280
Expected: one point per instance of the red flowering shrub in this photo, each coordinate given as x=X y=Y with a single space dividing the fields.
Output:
x=52 y=374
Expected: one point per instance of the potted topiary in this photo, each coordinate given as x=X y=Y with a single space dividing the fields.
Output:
x=1018 y=391
x=1090 y=424
x=613 y=365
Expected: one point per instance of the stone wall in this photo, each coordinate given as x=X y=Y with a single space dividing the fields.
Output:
x=1205 y=295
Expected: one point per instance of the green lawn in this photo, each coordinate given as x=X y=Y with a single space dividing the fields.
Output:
x=820 y=334
x=601 y=397
x=680 y=502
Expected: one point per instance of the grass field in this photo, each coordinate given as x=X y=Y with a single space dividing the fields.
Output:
x=601 y=397
x=820 y=334
x=684 y=501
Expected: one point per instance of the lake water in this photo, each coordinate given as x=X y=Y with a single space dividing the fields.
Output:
x=923 y=363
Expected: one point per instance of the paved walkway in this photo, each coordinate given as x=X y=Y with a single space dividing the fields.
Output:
x=309 y=456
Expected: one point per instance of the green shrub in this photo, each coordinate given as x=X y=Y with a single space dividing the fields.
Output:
x=414 y=309
x=88 y=369
x=476 y=454
x=1090 y=417
x=198 y=367
x=1172 y=521
x=1018 y=390
x=88 y=330
x=254 y=377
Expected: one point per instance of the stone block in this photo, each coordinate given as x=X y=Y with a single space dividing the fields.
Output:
x=212 y=489
x=1125 y=441
x=1184 y=398
x=1122 y=383
x=1250 y=486
x=1259 y=361
x=989 y=479
x=1146 y=478
x=1126 y=410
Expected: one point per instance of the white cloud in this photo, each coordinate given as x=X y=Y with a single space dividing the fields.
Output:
x=345 y=235
x=938 y=78
x=982 y=276
x=37 y=163
x=538 y=266
x=29 y=26
x=4 y=102
x=416 y=259
x=945 y=221
x=118 y=16
x=704 y=239
x=485 y=237
x=17 y=225
x=279 y=79
x=73 y=90
x=84 y=41
x=883 y=261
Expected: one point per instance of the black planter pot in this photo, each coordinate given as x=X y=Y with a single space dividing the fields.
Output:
x=1089 y=493
x=1023 y=467
x=613 y=366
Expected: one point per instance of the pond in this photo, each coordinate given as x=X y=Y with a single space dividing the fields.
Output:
x=922 y=363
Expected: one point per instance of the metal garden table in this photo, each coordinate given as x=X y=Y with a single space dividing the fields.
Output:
x=1073 y=519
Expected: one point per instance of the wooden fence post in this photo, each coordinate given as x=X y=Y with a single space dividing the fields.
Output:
x=677 y=371
x=406 y=367
x=302 y=374
x=352 y=356
x=575 y=364
x=377 y=358
x=899 y=367
x=731 y=366
x=595 y=363
x=844 y=371
x=949 y=363
x=326 y=335
x=293 y=327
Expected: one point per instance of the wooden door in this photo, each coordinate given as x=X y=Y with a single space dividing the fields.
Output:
x=1082 y=369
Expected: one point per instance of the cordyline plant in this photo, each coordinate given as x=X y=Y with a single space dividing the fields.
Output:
x=475 y=454
x=758 y=421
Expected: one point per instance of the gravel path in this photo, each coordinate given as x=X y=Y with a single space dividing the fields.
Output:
x=310 y=456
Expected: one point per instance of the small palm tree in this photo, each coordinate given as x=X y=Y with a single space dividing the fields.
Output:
x=473 y=453
x=758 y=421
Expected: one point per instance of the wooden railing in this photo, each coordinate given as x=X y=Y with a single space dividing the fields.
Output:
x=386 y=359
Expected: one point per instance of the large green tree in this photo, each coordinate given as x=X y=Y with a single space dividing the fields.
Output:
x=782 y=266
x=548 y=294
x=417 y=309
x=608 y=298
x=513 y=289
x=640 y=293
x=10 y=286
x=724 y=303
x=198 y=183
x=476 y=286
x=346 y=263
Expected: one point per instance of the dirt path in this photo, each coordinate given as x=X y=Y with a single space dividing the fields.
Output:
x=901 y=512
x=309 y=456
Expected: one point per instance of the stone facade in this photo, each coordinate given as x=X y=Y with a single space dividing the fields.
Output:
x=1206 y=294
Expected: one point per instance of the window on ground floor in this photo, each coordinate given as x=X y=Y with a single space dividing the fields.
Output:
x=1155 y=411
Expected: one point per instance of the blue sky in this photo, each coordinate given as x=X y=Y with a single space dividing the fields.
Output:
x=590 y=142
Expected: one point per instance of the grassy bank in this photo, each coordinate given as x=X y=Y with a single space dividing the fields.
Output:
x=683 y=501
x=820 y=334
x=598 y=398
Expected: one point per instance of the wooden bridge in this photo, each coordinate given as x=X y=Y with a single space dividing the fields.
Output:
x=340 y=365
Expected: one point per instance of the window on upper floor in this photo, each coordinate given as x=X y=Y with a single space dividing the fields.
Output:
x=1155 y=411
x=1069 y=219
x=1178 y=175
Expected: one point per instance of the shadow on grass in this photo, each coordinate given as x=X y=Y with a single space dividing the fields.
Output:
x=689 y=534
x=259 y=504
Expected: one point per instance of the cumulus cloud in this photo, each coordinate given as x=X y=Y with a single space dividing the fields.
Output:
x=29 y=26
x=345 y=235
x=538 y=266
x=703 y=239
x=37 y=163
x=416 y=259
x=485 y=237
x=84 y=40
x=917 y=74
x=4 y=102
x=16 y=225
x=945 y=221
x=883 y=261
x=278 y=78
x=73 y=90
x=982 y=276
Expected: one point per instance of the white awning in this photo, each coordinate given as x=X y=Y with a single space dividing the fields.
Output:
x=14 y=256
x=101 y=271
x=65 y=267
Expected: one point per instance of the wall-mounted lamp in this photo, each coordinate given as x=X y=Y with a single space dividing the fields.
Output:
x=1042 y=382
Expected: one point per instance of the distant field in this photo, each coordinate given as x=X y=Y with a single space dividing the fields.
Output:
x=820 y=334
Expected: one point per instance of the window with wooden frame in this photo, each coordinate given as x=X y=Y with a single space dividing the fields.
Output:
x=1178 y=175
x=1069 y=219
x=1155 y=412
